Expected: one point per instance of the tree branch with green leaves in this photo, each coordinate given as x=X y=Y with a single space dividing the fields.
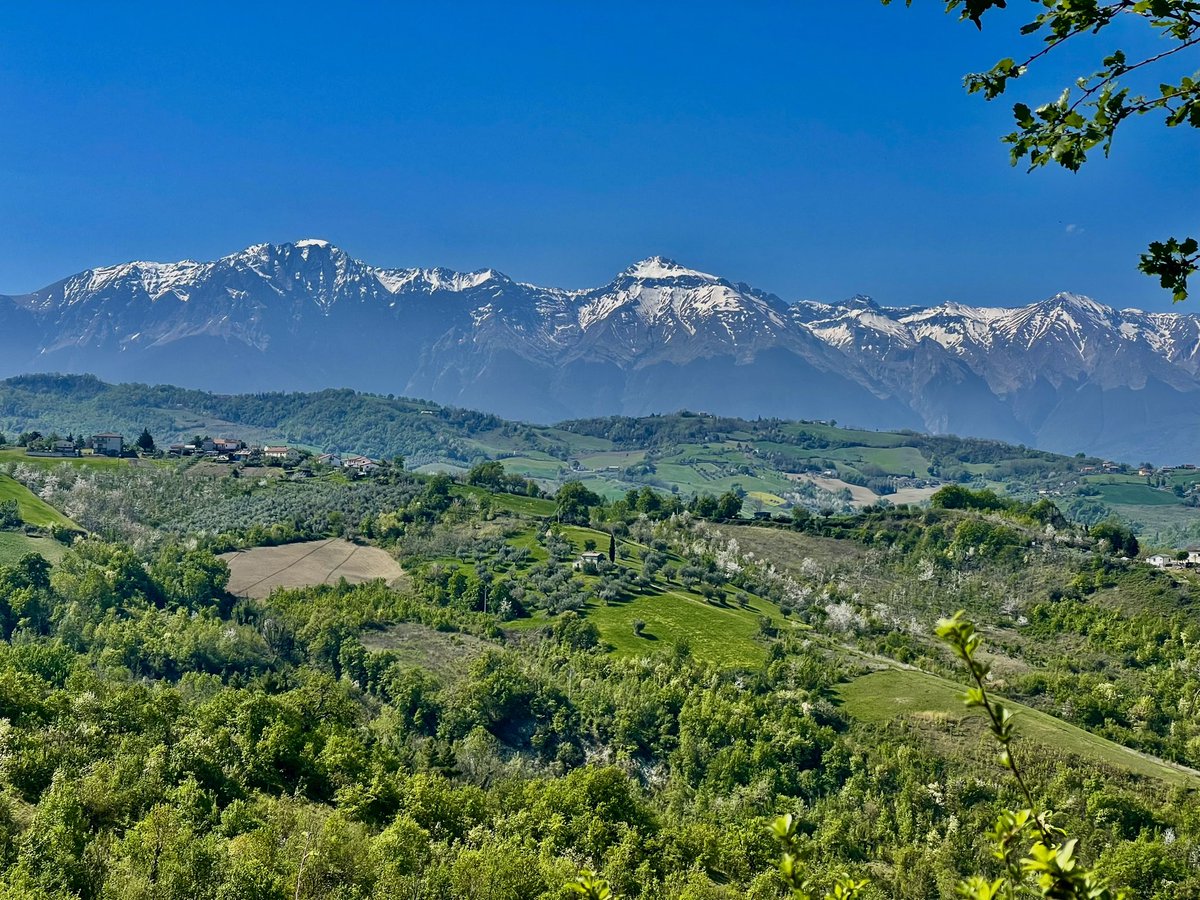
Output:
x=1051 y=868
x=1086 y=116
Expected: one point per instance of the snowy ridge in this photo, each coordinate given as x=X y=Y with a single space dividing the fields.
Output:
x=658 y=268
x=659 y=336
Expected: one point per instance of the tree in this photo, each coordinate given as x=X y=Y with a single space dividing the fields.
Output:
x=1119 y=539
x=488 y=474
x=1063 y=131
x=574 y=499
x=190 y=578
x=53 y=850
x=729 y=505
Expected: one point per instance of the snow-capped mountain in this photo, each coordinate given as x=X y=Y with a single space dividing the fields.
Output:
x=1066 y=374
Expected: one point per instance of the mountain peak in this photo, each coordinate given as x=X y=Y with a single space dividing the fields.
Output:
x=659 y=268
x=860 y=301
x=303 y=246
x=1076 y=301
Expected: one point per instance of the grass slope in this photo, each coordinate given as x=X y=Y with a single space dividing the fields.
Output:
x=14 y=545
x=1136 y=495
x=535 y=507
x=881 y=697
x=34 y=510
x=447 y=656
x=725 y=635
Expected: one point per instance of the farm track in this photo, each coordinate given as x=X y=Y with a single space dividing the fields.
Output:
x=342 y=564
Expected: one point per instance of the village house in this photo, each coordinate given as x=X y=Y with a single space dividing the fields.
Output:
x=359 y=465
x=1159 y=561
x=108 y=444
x=282 y=454
x=590 y=557
x=330 y=459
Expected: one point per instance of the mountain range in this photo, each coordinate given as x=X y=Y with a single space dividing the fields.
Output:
x=1065 y=374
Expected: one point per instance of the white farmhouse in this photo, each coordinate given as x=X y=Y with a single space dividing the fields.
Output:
x=108 y=444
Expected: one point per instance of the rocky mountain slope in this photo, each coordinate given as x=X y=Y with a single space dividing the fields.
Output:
x=1065 y=374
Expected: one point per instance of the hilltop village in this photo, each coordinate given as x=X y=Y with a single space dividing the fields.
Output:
x=220 y=450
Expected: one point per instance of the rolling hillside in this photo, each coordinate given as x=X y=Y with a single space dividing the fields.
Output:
x=776 y=464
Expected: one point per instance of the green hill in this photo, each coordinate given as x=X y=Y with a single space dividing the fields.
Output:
x=33 y=510
x=776 y=464
x=934 y=708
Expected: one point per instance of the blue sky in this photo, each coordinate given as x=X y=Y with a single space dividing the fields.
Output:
x=815 y=149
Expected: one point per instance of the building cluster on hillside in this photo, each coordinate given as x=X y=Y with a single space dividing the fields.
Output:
x=235 y=450
x=238 y=451
x=221 y=450
x=1108 y=467
x=103 y=444
x=1180 y=561
x=356 y=466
